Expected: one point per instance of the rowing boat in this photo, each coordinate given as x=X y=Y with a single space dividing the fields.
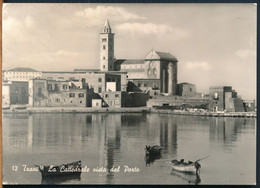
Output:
x=185 y=166
x=153 y=150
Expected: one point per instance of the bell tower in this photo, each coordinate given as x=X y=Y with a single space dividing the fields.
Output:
x=106 y=48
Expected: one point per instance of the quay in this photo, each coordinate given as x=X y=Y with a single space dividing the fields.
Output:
x=37 y=110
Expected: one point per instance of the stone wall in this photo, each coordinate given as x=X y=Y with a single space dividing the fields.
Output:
x=178 y=101
x=136 y=99
x=19 y=93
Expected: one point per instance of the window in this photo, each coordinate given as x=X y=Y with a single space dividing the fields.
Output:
x=190 y=89
x=99 y=89
x=145 y=84
x=64 y=86
x=117 y=102
x=49 y=87
x=57 y=100
x=104 y=66
x=99 y=79
x=154 y=71
x=106 y=95
x=48 y=78
x=83 y=80
x=56 y=87
x=149 y=71
x=104 y=58
x=72 y=95
x=60 y=78
x=81 y=95
x=139 y=84
x=116 y=95
x=108 y=79
x=104 y=47
x=80 y=101
x=104 y=40
x=39 y=91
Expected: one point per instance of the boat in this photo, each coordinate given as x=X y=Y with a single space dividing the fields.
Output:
x=191 y=178
x=69 y=169
x=153 y=150
x=182 y=166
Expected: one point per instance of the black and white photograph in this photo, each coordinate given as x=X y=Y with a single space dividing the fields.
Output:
x=129 y=93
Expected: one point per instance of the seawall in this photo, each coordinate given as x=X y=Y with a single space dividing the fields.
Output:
x=37 y=110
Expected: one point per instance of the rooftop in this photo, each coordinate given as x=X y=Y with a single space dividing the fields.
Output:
x=166 y=56
x=129 y=61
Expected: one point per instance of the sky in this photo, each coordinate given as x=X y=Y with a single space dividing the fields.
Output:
x=215 y=44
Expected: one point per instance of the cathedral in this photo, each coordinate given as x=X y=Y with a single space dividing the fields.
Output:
x=156 y=73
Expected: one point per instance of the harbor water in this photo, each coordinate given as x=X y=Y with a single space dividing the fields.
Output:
x=111 y=147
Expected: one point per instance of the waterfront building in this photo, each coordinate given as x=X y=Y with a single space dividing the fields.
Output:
x=53 y=93
x=20 y=74
x=6 y=94
x=250 y=105
x=95 y=79
x=187 y=90
x=225 y=99
x=124 y=99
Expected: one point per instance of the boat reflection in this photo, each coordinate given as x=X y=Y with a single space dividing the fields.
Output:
x=60 y=179
x=150 y=159
x=192 y=178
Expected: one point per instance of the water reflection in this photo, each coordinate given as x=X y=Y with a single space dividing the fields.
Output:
x=191 y=178
x=150 y=159
x=226 y=130
x=60 y=179
x=110 y=140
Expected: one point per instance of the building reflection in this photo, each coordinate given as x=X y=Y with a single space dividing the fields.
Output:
x=226 y=130
x=108 y=139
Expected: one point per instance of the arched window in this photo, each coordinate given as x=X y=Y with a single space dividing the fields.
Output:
x=149 y=71
x=154 y=71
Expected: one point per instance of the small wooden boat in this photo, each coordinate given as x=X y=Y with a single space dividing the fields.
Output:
x=153 y=150
x=61 y=170
x=191 y=167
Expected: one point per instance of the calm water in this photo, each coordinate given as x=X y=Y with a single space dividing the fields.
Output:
x=101 y=140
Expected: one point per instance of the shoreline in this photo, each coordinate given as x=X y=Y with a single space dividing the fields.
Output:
x=39 y=110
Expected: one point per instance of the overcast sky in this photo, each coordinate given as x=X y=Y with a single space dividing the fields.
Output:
x=214 y=43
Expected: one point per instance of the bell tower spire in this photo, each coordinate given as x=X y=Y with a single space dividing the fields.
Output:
x=107 y=28
x=106 y=48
